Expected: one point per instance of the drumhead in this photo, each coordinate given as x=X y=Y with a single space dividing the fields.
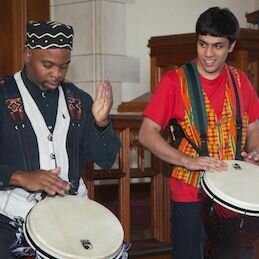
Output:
x=73 y=227
x=236 y=188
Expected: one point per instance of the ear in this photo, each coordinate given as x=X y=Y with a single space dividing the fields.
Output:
x=231 y=47
x=27 y=55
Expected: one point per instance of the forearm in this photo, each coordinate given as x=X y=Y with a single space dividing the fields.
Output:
x=160 y=148
x=102 y=146
x=17 y=178
x=151 y=139
x=252 y=141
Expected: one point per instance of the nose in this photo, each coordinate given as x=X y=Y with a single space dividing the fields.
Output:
x=209 y=51
x=56 y=72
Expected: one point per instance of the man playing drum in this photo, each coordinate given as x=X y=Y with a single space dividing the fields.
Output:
x=48 y=128
x=204 y=98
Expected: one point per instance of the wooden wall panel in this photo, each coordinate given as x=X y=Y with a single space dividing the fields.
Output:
x=37 y=10
x=6 y=62
x=13 y=17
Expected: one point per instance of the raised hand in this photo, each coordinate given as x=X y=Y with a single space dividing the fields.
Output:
x=102 y=103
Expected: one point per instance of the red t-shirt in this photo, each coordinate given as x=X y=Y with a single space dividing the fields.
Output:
x=166 y=104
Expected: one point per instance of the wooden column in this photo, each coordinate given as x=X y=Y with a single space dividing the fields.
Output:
x=124 y=184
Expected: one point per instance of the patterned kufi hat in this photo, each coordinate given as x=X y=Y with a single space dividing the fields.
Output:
x=49 y=34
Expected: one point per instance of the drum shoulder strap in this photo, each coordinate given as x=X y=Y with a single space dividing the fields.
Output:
x=199 y=111
x=198 y=104
x=178 y=134
x=239 y=122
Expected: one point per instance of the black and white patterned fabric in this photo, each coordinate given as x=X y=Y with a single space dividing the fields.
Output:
x=49 y=34
x=20 y=246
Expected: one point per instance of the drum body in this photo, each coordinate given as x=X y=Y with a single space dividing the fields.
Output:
x=73 y=227
x=231 y=204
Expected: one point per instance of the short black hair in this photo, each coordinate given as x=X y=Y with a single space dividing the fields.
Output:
x=218 y=22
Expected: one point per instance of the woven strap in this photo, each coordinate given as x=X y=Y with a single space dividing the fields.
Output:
x=198 y=104
x=239 y=123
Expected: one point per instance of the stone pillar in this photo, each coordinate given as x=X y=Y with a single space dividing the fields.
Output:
x=99 y=43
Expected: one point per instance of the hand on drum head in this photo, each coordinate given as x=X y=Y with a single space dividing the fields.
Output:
x=41 y=180
x=205 y=163
x=251 y=157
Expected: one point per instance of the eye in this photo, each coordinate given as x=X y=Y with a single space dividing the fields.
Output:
x=219 y=46
x=202 y=44
x=47 y=65
x=64 y=67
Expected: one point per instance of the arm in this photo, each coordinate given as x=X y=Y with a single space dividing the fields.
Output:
x=150 y=137
x=251 y=153
x=251 y=105
x=101 y=143
x=101 y=146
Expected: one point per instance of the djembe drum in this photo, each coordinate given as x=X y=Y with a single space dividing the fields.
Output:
x=73 y=227
x=231 y=204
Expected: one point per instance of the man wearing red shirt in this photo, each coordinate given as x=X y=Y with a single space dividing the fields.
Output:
x=217 y=30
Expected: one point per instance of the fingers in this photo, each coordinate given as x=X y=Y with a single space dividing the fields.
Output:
x=104 y=90
x=60 y=188
x=108 y=89
x=53 y=184
x=252 y=157
x=214 y=165
x=48 y=181
x=103 y=103
x=103 y=99
x=205 y=163
x=99 y=91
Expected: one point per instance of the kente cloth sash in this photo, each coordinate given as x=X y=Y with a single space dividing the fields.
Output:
x=52 y=152
x=221 y=133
